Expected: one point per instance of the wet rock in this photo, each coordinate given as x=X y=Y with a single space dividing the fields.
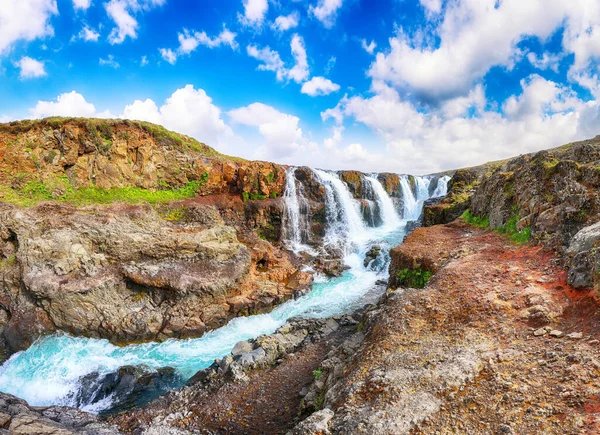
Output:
x=128 y=387
x=372 y=255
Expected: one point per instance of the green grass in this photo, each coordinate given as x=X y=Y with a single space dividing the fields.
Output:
x=61 y=190
x=413 y=278
x=475 y=220
x=509 y=229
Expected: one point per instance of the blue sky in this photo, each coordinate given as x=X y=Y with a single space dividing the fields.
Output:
x=390 y=85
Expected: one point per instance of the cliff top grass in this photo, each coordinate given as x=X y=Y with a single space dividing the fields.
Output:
x=106 y=127
x=60 y=189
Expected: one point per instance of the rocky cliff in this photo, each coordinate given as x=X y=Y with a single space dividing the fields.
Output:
x=126 y=231
x=551 y=196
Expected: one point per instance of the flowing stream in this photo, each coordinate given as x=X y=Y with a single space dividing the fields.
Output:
x=50 y=372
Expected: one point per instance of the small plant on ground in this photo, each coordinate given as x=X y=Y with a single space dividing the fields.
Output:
x=317 y=373
x=413 y=278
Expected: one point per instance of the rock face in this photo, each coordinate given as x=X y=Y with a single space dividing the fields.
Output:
x=584 y=258
x=119 y=153
x=17 y=417
x=127 y=273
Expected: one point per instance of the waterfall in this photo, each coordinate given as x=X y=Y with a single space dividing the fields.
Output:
x=54 y=369
x=389 y=215
x=341 y=205
x=442 y=187
x=411 y=210
x=295 y=222
x=422 y=184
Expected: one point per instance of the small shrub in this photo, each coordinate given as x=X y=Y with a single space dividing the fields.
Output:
x=413 y=278
x=317 y=373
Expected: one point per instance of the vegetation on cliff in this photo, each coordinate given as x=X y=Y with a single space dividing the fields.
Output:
x=85 y=161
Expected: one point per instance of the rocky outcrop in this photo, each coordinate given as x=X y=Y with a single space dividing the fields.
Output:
x=133 y=273
x=63 y=153
x=584 y=258
x=18 y=418
x=461 y=186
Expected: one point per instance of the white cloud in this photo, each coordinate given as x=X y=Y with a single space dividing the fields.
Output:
x=189 y=41
x=189 y=111
x=254 y=12
x=67 y=104
x=26 y=20
x=432 y=6
x=326 y=11
x=543 y=115
x=545 y=61
x=88 y=34
x=144 y=61
x=168 y=55
x=286 y=22
x=30 y=68
x=474 y=35
x=82 y=4
x=271 y=61
x=369 y=48
x=319 y=86
x=109 y=61
x=299 y=71
x=122 y=13
x=281 y=132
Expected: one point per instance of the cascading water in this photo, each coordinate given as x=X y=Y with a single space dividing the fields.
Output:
x=422 y=184
x=389 y=215
x=295 y=222
x=411 y=205
x=50 y=372
x=349 y=226
x=442 y=187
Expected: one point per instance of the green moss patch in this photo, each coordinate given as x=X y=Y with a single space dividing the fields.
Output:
x=413 y=278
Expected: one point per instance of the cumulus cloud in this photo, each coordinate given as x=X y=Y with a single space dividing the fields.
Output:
x=254 y=12
x=432 y=6
x=286 y=22
x=189 y=111
x=474 y=35
x=88 y=34
x=283 y=137
x=464 y=133
x=67 y=104
x=123 y=12
x=189 y=41
x=319 y=86
x=82 y=4
x=545 y=60
x=271 y=61
x=326 y=11
x=30 y=68
x=25 y=20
